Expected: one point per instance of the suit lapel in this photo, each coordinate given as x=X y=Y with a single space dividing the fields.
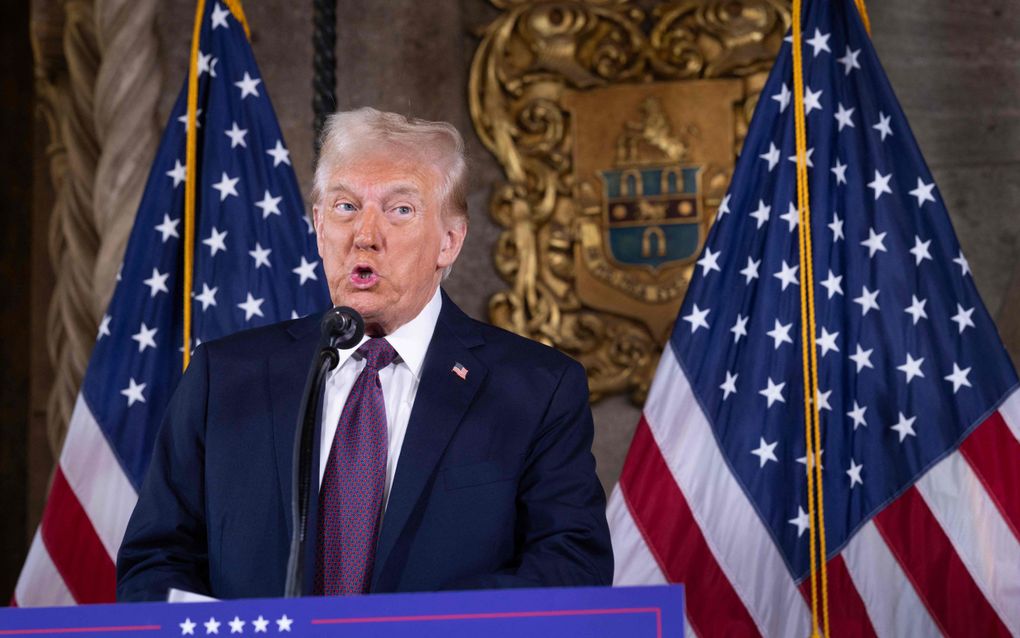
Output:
x=442 y=399
x=285 y=369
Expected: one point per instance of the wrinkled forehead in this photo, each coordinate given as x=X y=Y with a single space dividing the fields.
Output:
x=386 y=164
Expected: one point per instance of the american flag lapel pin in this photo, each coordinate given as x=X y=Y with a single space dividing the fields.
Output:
x=460 y=370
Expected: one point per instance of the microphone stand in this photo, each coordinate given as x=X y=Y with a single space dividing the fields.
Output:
x=341 y=328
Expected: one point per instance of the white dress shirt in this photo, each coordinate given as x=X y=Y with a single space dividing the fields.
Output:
x=399 y=382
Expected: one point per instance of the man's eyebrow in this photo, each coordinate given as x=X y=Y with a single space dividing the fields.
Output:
x=398 y=189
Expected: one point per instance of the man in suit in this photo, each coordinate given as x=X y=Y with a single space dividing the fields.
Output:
x=451 y=454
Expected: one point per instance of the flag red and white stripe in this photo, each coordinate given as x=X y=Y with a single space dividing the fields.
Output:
x=73 y=555
x=943 y=558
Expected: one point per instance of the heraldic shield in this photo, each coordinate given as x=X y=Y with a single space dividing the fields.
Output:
x=651 y=162
x=653 y=214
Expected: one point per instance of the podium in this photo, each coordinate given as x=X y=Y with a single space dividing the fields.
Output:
x=606 y=612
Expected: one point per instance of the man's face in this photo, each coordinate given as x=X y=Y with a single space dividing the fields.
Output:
x=383 y=236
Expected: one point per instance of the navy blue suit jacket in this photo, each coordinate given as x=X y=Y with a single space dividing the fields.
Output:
x=495 y=485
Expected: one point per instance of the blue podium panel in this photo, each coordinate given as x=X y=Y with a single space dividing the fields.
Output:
x=629 y=612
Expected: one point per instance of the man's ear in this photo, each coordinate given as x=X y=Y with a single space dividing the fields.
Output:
x=454 y=231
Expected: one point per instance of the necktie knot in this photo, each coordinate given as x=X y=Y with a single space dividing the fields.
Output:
x=378 y=353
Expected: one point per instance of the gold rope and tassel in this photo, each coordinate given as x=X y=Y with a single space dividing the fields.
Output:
x=809 y=349
x=816 y=531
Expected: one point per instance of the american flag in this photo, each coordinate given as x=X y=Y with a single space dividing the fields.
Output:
x=255 y=263
x=919 y=415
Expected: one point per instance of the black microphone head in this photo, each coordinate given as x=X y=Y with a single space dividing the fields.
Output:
x=342 y=327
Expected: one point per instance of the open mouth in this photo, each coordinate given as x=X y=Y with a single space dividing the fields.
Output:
x=363 y=276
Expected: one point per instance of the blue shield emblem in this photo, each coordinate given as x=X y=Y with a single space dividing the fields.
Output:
x=653 y=214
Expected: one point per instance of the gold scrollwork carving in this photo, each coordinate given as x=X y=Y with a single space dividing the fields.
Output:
x=530 y=59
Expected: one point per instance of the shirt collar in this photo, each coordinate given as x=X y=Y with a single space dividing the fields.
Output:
x=411 y=340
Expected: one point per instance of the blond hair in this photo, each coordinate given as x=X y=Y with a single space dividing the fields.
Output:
x=345 y=133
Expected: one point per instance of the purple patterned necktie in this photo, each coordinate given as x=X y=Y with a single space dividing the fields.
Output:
x=351 y=494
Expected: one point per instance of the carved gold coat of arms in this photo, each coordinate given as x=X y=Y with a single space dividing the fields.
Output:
x=618 y=128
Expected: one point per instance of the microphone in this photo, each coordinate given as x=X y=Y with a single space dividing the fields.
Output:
x=342 y=328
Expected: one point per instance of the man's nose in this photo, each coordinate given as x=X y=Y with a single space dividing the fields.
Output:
x=368 y=235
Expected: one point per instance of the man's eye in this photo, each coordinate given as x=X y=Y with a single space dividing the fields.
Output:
x=344 y=207
x=403 y=211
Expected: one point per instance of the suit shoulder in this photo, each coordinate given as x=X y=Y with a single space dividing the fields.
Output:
x=508 y=348
x=259 y=341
